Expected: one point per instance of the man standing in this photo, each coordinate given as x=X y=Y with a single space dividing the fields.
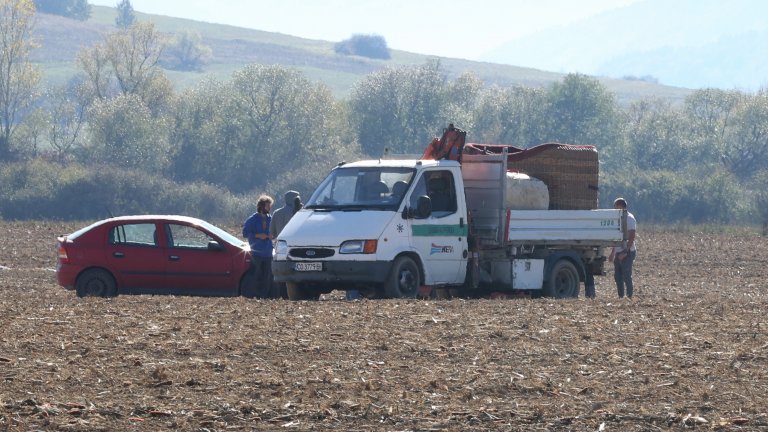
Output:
x=282 y=215
x=280 y=219
x=256 y=230
x=624 y=256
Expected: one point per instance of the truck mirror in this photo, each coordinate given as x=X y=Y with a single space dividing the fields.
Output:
x=423 y=207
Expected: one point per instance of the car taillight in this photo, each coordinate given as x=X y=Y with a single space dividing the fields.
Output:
x=62 y=253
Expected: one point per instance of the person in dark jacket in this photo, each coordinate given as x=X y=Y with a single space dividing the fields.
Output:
x=281 y=216
x=256 y=230
x=280 y=219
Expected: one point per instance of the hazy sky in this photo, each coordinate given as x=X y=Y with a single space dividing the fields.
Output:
x=448 y=28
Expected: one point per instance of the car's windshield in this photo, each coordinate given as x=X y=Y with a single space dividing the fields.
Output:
x=227 y=237
x=362 y=188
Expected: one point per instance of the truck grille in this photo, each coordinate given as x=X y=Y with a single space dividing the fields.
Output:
x=310 y=253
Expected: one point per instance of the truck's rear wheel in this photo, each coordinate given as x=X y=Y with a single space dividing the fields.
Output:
x=404 y=279
x=563 y=280
x=296 y=292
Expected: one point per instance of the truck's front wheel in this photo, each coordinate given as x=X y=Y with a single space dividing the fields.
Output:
x=297 y=292
x=563 y=280
x=403 y=280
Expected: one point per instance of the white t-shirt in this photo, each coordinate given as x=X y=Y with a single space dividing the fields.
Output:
x=631 y=226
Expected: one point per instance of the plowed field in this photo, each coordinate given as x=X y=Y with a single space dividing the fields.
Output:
x=690 y=351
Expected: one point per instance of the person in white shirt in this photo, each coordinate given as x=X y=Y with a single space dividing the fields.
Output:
x=624 y=256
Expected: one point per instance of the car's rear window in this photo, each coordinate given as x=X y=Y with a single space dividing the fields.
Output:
x=84 y=230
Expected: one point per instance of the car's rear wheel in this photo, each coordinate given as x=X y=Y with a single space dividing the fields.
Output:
x=97 y=283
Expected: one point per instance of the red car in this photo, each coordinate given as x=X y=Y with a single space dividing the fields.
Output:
x=153 y=255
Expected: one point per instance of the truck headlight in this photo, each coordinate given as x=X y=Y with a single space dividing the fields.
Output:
x=358 y=247
x=281 y=248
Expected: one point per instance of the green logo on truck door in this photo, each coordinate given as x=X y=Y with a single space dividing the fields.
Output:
x=438 y=230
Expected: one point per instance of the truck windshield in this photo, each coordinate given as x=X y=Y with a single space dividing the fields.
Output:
x=362 y=188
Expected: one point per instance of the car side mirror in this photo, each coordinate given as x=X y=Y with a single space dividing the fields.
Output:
x=213 y=245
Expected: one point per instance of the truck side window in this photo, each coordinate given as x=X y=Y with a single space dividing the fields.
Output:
x=439 y=187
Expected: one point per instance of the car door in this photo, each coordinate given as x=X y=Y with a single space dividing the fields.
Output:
x=134 y=256
x=193 y=264
x=440 y=238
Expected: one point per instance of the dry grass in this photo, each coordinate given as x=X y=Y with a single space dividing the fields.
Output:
x=690 y=351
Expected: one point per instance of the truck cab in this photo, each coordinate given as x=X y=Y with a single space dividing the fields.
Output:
x=384 y=227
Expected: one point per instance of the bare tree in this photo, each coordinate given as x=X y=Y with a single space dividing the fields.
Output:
x=126 y=62
x=188 y=50
x=18 y=78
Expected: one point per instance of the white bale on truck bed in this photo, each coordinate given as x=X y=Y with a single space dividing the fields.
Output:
x=523 y=192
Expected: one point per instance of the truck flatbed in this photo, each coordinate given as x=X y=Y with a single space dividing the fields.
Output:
x=565 y=227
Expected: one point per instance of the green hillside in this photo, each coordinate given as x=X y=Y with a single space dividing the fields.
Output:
x=232 y=47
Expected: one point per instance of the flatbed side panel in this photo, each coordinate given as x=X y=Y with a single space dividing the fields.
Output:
x=567 y=226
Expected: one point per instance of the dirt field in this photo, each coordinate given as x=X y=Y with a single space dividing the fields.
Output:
x=689 y=352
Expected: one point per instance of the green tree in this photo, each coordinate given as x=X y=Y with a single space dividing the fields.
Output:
x=29 y=139
x=268 y=126
x=463 y=96
x=655 y=136
x=207 y=134
x=695 y=195
x=746 y=151
x=581 y=111
x=18 y=77
x=760 y=200
x=512 y=115
x=709 y=115
x=399 y=108
x=188 y=51
x=371 y=46
x=125 y=133
x=125 y=14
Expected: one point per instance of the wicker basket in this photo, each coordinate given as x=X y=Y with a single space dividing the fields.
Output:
x=570 y=172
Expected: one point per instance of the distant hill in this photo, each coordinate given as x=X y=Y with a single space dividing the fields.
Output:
x=61 y=39
x=682 y=43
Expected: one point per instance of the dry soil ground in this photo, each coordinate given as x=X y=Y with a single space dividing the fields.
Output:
x=689 y=352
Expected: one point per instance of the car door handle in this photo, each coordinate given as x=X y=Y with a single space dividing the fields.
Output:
x=173 y=257
x=118 y=254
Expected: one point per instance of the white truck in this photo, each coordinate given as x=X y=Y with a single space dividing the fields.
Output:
x=400 y=228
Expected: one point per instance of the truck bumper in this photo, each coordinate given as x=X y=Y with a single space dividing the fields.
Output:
x=336 y=272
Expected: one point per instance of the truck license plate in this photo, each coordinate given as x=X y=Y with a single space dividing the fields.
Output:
x=309 y=266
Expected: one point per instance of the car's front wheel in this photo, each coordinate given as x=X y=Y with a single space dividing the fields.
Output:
x=404 y=279
x=97 y=283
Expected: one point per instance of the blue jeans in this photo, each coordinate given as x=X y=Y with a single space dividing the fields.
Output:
x=589 y=284
x=623 y=274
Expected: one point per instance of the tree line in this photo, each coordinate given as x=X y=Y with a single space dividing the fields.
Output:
x=268 y=128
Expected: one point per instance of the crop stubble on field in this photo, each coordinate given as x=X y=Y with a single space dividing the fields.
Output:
x=690 y=351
